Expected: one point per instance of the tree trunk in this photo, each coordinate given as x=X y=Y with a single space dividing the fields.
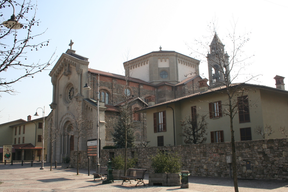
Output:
x=77 y=155
x=234 y=165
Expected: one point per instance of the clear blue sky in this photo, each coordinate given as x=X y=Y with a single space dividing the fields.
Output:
x=110 y=32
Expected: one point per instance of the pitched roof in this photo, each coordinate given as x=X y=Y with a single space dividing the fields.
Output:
x=215 y=90
x=216 y=40
x=113 y=75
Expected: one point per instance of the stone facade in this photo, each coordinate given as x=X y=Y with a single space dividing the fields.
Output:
x=261 y=159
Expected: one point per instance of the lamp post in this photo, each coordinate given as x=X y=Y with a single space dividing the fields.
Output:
x=12 y=23
x=43 y=127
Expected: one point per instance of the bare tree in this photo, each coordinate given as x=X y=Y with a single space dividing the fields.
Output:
x=264 y=132
x=52 y=133
x=226 y=68
x=194 y=131
x=17 y=39
x=82 y=127
x=283 y=131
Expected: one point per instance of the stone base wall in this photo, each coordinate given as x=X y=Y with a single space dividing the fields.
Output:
x=262 y=159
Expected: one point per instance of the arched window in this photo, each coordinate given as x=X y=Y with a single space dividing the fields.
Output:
x=127 y=92
x=136 y=115
x=104 y=96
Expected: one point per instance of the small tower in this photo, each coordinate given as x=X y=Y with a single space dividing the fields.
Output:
x=279 y=82
x=217 y=59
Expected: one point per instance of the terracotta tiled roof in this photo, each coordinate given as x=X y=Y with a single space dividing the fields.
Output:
x=26 y=146
x=113 y=75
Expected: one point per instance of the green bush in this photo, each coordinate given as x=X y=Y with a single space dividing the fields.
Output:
x=66 y=159
x=118 y=162
x=165 y=162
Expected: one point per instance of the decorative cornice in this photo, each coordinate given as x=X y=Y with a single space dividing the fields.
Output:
x=66 y=59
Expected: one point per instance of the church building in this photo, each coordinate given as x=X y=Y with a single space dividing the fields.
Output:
x=150 y=79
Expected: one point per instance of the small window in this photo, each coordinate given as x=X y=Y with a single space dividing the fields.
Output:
x=136 y=115
x=127 y=92
x=40 y=125
x=243 y=109
x=104 y=96
x=245 y=134
x=23 y=129
x=215 y=109
x=194 y=116
x=160 y=141
x=39 y=138
x=160 y=121
x=23 y=139
x=217 y=136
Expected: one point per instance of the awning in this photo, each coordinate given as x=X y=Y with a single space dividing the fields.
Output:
x=26 y=146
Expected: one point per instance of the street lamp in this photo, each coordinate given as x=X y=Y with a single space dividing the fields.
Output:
x=43 y=127
x=12 y=23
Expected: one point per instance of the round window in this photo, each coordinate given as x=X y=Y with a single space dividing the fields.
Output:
x=163 y=74
x=71 y=93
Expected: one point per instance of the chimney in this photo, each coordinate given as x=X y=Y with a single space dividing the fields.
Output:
x=203 y=85
x=279 y=82
x=29 y=118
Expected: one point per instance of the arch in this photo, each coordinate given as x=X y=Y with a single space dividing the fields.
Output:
x=104 y=95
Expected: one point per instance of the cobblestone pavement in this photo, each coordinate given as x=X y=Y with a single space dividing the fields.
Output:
x=26 y=178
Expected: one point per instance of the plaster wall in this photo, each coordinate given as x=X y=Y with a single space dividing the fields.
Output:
x=275 y=110
x=141 y=72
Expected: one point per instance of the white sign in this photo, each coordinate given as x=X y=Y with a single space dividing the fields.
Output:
x=92 y=143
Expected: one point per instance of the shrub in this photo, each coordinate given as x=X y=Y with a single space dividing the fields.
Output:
x=165 y=162
x=66 y=159
x=118 y=162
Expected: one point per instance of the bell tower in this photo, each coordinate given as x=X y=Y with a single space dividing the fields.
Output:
x=218 y=61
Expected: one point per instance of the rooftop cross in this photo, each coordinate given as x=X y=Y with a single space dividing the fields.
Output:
x=71 y=43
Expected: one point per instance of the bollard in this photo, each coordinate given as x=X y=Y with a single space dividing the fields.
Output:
x=11 y=161
x=5 y=162
x=55 y=164
x=32 y=163
x=22 y=162
x=88 y=166
x=184 y=179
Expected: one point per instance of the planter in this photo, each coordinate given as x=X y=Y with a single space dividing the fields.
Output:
x=117 y=174
x=164 y=179
x=173 y=179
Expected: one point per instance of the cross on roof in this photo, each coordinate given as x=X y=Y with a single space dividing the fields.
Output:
x=71 y=43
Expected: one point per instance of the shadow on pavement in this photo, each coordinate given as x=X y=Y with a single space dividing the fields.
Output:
x=243 y=183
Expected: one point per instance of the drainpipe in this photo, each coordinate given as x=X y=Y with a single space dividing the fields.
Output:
x=173 y=125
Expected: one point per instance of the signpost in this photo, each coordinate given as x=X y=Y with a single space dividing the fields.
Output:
x=92 y=147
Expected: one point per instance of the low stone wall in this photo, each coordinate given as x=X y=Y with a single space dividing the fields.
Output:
x=262 y=159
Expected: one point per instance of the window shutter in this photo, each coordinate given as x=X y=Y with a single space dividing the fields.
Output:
x=222 y=136
x=220 y=108
x=211 y=110
x=155 y=122
x=212 y=137
x=164 y=121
